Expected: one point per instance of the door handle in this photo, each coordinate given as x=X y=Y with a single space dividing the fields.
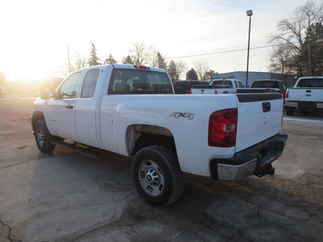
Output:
x=69 y=106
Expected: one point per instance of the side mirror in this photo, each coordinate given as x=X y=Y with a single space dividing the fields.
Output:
x=44 y=94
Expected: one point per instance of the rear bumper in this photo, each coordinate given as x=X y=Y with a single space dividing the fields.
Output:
x=303 y=104
x=254 y=160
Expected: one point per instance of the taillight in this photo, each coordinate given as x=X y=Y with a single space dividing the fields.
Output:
x=286 y=94
x=223 y=128
x=189 y=91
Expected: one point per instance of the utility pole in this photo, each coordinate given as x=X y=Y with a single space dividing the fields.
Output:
x=249 y=14
x=309 y=50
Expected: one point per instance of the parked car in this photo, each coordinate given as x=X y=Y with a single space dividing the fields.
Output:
x=306 y=95
x=273 y=84
x=132 y=110
x=218 y=86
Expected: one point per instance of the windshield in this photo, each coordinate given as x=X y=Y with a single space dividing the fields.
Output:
x=265 y=84
x=313 y=82
x=132 y=81
x=222 y=84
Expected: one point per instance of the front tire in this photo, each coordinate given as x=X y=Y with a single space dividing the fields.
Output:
x=157 y=175
x=42 y=136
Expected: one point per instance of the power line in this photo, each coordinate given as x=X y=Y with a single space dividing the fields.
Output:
x=223 y=52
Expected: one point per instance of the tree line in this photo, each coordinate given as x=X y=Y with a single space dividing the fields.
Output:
x=299 y=42
x=139 y=54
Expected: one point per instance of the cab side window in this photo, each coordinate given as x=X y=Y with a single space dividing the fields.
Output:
x=89 y=83
x=71 y=86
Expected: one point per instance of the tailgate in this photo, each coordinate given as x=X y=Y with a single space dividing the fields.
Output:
x=203 y=90
x=259 y=118
x=306 y=95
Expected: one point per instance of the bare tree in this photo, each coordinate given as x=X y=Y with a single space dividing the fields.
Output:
x=181 y=68
x=201 y=70
x=294 y=46
x=80 y=64
x=138 y=54
x=151 y=56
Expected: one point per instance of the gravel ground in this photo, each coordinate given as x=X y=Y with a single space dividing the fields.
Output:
x=74 y=197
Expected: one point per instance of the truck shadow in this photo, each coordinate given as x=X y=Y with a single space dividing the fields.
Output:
x=97 y=201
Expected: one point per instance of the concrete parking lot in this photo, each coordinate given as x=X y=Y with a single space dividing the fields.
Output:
x=74 y=197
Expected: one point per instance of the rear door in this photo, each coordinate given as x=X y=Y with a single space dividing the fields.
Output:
x=259 y=118
x=86 y=109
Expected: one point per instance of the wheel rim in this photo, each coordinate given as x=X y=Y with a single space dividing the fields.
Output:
x=40 y=134
x=151 y=178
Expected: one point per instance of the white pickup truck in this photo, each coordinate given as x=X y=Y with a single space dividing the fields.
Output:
x=306 y=95
x=218 y=86
x=133 y=111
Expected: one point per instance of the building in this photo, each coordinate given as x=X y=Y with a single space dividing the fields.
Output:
x=241 y=75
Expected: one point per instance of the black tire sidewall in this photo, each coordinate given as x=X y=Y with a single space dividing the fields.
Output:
x=162 y=159
x=48 y=147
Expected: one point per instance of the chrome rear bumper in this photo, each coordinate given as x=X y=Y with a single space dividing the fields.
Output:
x=255 y=160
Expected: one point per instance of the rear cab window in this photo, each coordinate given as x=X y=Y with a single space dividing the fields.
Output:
x=137 y=81
x=222 y=84
x=310 y=83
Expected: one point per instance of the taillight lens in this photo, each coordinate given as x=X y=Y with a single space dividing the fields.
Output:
x=223 y=128
x=286 y=94
x=189 y=91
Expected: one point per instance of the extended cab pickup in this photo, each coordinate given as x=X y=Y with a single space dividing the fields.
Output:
x=218 y=86
x=133 y=111
x=305 y=96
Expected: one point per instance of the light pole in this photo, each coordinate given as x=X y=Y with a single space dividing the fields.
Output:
x=249 y=14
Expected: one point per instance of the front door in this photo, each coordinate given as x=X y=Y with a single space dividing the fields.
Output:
x=62 y=107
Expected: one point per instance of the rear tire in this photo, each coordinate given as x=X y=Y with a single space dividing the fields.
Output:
x=42 y=136
x=157 y=175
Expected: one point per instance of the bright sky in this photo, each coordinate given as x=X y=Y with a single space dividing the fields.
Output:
x=35 y=33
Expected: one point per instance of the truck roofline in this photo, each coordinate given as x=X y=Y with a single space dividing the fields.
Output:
x=308 y=77
x=121 y=66
x=129 y=66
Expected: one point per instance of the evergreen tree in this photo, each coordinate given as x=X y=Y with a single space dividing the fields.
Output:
x=94 y=59
x=110 y=60
x=191 y=75
x=161 y=63
x=127 y=60
x=172 y=70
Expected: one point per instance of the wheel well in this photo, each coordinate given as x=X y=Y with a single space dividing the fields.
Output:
x=36 y=115
x=139 y=136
